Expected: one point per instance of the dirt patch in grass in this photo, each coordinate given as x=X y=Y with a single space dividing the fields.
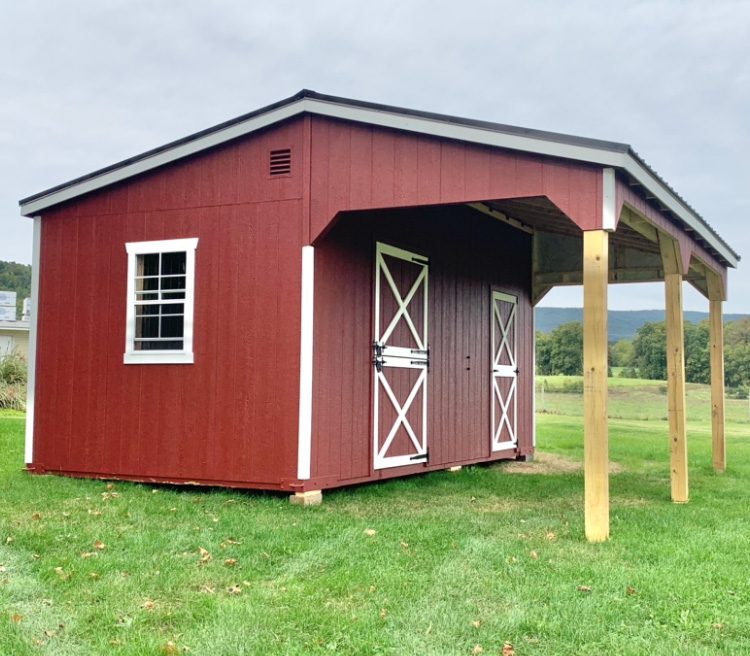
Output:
x=550 y=463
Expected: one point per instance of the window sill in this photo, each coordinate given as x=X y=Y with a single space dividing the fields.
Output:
x=153 y=357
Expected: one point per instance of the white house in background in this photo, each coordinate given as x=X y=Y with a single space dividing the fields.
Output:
x=14 y=336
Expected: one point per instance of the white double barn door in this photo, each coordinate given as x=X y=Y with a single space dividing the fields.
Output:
x=401 y=361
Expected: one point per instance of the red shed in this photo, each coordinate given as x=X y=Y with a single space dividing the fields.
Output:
x=324 y=292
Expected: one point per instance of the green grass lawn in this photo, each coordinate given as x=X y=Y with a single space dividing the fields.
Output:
x=439 y=564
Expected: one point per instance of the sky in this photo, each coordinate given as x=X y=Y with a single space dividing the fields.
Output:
x=87 y=84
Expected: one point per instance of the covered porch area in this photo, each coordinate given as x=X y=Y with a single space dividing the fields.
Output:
x=641 y=239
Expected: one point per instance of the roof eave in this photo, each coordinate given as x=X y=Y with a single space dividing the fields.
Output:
x=607 y=154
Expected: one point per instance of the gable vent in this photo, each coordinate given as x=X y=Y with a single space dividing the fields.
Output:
x=280 y=162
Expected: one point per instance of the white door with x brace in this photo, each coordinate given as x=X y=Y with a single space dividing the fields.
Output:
x=400 y=358
x=504 y=371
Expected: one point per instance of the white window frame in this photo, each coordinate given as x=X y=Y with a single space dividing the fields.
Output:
x=171 y=356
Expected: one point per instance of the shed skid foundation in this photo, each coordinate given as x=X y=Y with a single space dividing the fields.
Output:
x=309 y=498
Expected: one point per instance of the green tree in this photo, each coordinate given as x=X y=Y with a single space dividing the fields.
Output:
x=566 y=349
x=621 y=353
x=543 y=354
x=697 y=358
x=737 y=353
x=650 y=351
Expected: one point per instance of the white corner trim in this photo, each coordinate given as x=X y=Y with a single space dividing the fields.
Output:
x=306 y=363
x=33 y=323
x=533 y=377
x=609 y=202
x=185 y=356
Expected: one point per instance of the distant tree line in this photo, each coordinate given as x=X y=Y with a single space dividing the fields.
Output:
x=561 y=352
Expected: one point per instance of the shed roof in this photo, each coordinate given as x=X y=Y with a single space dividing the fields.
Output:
x=606 y=153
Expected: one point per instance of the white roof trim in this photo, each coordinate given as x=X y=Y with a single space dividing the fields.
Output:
x=396 y=120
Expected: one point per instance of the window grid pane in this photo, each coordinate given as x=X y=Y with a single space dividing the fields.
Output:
x=160 y=277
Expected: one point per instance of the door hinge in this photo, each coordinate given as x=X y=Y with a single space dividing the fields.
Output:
x=378 y=359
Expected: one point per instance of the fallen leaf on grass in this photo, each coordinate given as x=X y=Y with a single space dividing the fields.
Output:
x=551 y=536
x=9 y=539
x=208 y=589
x=476 y=624
x=124 y=622
x=718 y=626
x=95 y=513
x=87 y=554
x=95 y=576
x=234 y=590
x=66 y=515
x=630 y=590
x=62 y=574
x=404 y=545
x=98 y=544
x=36 y=516
x=534 y=555
x=383 y=613
x=16 y=618
x=170 y=648
x=149 y=604
x=508 y=650
x=110 y=486
x=230 y=562
x=229 y=541
x=478 y=649
x=205 y=556
x=2 y=568
x=106 y=496
x=584 y=588
x=370 y=532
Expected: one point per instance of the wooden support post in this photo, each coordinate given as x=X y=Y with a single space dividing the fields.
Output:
x=595 y=430
x=676 y=387
x=716 y=339
x=675 y=368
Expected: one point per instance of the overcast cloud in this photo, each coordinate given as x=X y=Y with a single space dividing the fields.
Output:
x=86 y=84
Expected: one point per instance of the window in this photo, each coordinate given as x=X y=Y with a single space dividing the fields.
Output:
x=161 y=277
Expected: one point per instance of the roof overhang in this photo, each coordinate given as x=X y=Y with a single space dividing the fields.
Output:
x=592 y=151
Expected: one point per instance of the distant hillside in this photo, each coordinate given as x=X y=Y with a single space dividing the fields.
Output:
x=16 y=277
x=623 y=324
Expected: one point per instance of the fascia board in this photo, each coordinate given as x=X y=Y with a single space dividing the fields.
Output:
x=397 y=121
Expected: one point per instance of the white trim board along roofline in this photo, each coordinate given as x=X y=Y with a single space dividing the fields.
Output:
x=604 y=153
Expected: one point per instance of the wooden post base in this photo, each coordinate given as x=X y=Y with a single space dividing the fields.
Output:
x=309 y=498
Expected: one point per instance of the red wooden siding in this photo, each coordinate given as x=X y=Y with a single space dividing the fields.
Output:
x=360 y=167
x=232 y=416
x=470 y=255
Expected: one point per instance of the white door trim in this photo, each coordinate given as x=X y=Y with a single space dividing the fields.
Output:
x=403 y=357
x=508 y=415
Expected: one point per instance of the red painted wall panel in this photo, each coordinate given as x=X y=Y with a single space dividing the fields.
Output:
x=407 y=170
x=470 y=254
x=232 y=416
